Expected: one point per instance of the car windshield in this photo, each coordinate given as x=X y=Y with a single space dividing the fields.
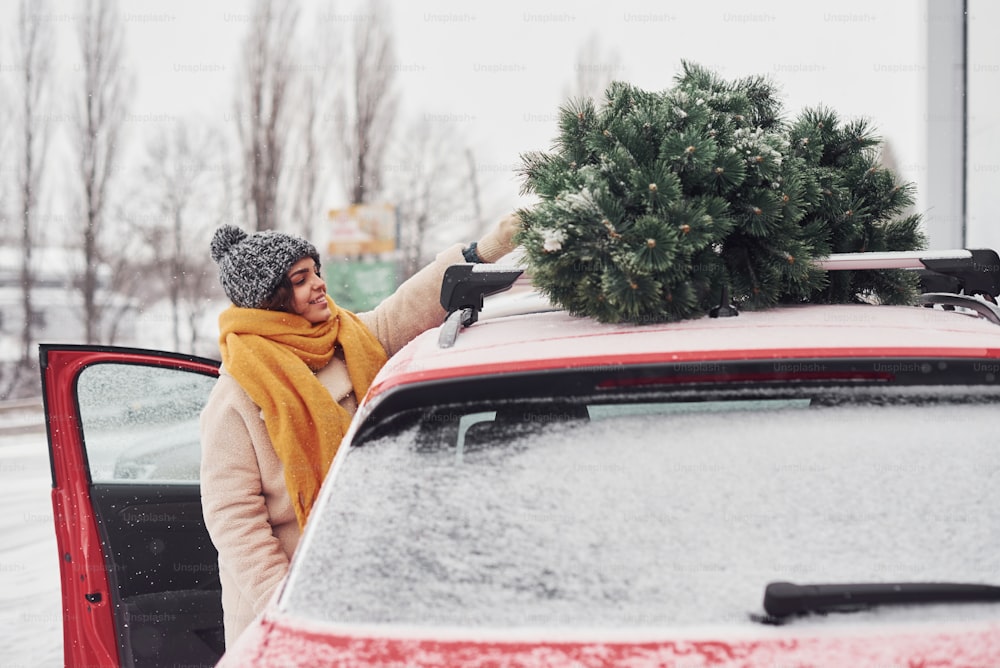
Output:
x=654 y=509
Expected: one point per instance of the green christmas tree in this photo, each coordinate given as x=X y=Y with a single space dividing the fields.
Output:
x=654 y=206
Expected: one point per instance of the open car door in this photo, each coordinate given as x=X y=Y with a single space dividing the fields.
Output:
x=140 y=582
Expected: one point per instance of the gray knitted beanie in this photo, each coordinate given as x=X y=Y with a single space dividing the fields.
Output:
x=251 y=266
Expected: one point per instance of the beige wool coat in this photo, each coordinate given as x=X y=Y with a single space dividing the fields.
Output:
x=246 y=505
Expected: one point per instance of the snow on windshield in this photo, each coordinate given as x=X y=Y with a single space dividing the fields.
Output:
x=649 y=520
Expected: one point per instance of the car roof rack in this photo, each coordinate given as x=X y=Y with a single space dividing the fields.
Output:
x=965 y=278
x=463 y=290
x=952 y=301
x=968 y=271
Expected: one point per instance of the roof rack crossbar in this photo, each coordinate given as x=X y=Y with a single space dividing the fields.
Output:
x=972 y=271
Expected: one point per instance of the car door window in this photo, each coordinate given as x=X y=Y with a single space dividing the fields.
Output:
x=141 y=422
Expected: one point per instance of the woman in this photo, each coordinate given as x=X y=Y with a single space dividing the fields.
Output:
x=294 y=366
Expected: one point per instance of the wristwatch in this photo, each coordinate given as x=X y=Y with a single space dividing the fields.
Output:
x=470 y=254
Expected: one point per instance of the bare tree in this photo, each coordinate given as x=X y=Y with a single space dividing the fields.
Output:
x=183 y=174
x=310 y=176
x=594 y=69
x=308 y=189
x=263 y=108
x=200 y=282
x=101 y=104
x=431 y=189
x=125 y=270
x=33 y=46
x=477 y=203
x=366 y=108
x=8 y=370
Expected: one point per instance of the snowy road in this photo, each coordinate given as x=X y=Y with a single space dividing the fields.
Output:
x=30 y=626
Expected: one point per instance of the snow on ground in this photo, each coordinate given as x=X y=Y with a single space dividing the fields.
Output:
x=30 y=605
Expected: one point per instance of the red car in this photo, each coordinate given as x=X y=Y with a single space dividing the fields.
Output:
x=808 y=485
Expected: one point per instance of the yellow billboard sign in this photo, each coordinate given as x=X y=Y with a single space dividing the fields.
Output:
x=362 y=230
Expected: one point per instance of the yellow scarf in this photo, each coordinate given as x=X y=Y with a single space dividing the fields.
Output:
x=273 y=356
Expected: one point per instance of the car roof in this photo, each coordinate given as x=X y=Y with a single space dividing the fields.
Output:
x=553 y=339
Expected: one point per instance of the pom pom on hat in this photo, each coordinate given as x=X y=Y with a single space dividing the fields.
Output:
x=251 y=266
x=225 y=238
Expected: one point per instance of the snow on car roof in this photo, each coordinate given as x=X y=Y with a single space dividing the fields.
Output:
x=555 y=339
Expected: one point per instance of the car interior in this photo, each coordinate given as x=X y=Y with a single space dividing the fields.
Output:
x=164 y=568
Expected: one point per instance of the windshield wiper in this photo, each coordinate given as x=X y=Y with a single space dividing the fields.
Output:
x=782 y=599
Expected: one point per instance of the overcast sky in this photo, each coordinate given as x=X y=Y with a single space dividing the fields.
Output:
x=497 y=72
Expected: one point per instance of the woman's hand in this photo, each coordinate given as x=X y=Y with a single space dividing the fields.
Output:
x=500 y=240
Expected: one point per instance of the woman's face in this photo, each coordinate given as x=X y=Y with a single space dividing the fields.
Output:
x=309 y=292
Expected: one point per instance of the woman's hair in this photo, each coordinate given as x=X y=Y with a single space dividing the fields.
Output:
x=280 y=298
